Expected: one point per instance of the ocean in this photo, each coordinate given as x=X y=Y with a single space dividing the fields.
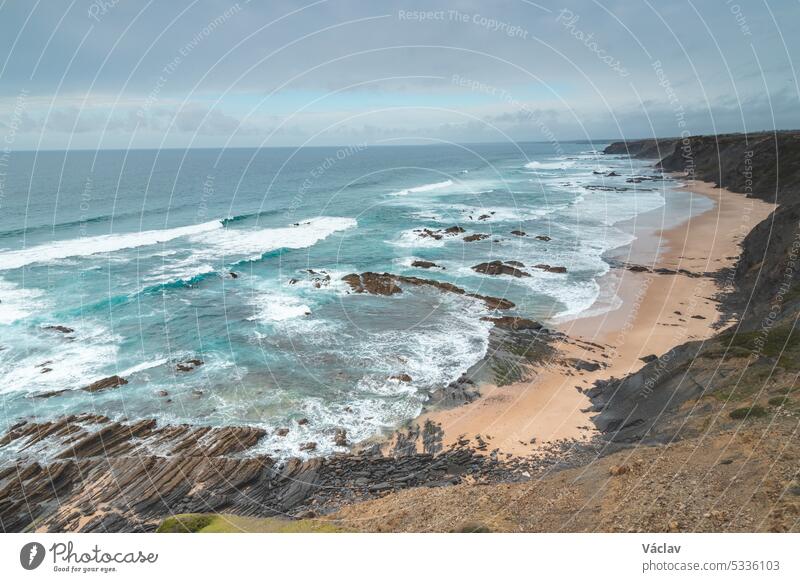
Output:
x=235 y=257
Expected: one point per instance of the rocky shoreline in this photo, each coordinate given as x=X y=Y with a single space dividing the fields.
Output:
x=87 y=473
x=91 y=473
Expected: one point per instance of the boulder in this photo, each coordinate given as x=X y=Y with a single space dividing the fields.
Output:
x=550 y=269
x=340 y=437
x=518 y=233
x=425 y=264
x=59 y=328
x=475 y=237
x=499 y=268
x=374 y=283
x=105 y=384
x=189 y=365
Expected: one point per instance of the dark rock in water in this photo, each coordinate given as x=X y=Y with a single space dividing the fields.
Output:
x=425 y=265
x=583 y=365
x=648 y=359
x=612 y=174
x=162 y=393
x=428 y=233
x=309 y=446
x=499 y=268
x=233 y=275
x=49 y=394
x=188 y=365
x=551 y=269
x=373 y=283
x=340 y=437
x=454 y=230
x=518 y=233
x=475 y=237
x=292 y=281
x=401 y=377
x=59 y=328
x=105 y=384
x=281 y=432
x=302 y=421
x=514 y=323
x=514 y=263
x=543 y=237
x=484 y=216
x=388 y=282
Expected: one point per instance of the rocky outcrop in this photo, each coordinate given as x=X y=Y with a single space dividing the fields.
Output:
x=387 y=284
x=499 y=268
x=373 y=283
x=475 y=237
x=87 y=473
x=189 y=365
x=105 y=384
x=59 y=328
x=425 y=265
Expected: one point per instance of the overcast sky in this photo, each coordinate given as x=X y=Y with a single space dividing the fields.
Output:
x=125 y=73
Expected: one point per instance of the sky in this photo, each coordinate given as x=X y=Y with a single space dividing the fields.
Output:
x=109 y=74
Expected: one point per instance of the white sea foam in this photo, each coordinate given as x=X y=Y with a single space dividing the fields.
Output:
x=424 y=188
x=273 y=307
x=71 y=364
x=559 y=165
x=18 y=303
x=243 y=243
x=106 y=243
x=133 y=370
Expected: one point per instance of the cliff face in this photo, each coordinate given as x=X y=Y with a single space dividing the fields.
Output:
x=763 y=349
x=643 y=148
x=764 y=166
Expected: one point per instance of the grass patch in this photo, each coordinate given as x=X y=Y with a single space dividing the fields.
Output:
x=782 y=342
x=744 y=385
x=225 y=523
x=748 y=412
x=778 y=400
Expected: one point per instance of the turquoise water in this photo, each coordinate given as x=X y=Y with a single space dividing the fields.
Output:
x=134 y=251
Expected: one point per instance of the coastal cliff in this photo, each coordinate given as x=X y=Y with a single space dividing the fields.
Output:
x=762 y=296
x=700 y=438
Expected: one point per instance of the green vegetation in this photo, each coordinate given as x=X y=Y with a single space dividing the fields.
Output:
x=225 y=523
x=782 y=342
x=778 y=400
x=748 y=412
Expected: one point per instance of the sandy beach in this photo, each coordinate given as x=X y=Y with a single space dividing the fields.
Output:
x=657 y=312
